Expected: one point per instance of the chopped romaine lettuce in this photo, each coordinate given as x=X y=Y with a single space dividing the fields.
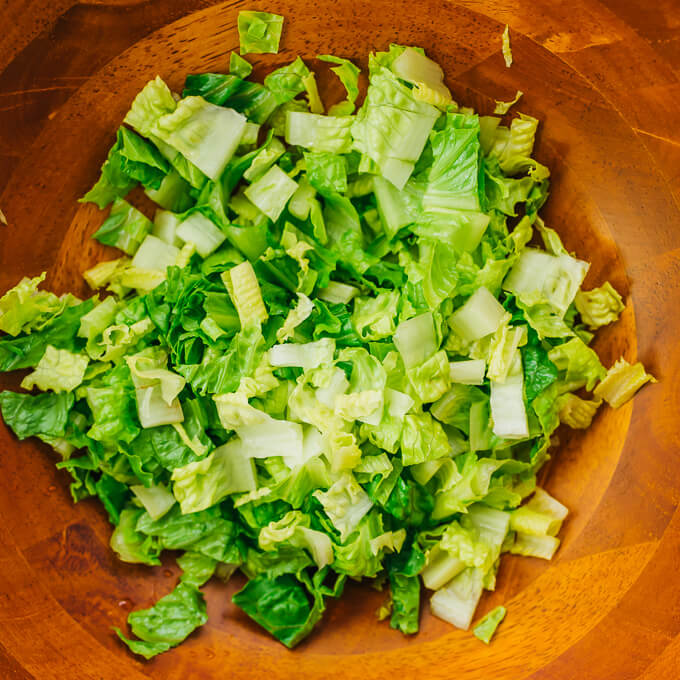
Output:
x=332 y=354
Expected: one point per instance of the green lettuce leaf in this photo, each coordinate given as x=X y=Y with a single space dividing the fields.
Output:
x=167 y=623
x=45 y=414
x=259 y=32
x=600 y=306
x=392 y=127
x=58 y=370
x=124 y=228
x=348 y=74
x=24 y=308
x=487 y=625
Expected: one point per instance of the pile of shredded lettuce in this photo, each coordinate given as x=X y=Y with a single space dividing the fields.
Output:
x=339 y=349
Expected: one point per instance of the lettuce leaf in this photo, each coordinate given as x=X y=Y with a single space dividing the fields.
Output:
x=259 y=32
x=167 y=623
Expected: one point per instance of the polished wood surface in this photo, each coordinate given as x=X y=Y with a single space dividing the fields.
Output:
x=602 y=75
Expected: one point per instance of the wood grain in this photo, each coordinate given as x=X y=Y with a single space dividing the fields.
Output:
x=603 y=77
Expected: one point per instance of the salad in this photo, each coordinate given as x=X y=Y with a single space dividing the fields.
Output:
x=339 y=350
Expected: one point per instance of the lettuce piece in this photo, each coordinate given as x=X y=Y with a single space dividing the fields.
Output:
x=259 y=32
x=196 y=568
x=203 y=483
x=367 y=371
x=115 y=179
x=513 y=148
x=469 y=372
x=427 y=76
x=361 y=552
x=253 y=100
x=165 y=225
x=452 y=181
x=148 y=368
x=374 y=317
x=545 y=321
x=487 y=625
x=238 y=66
x=405 y=592
x=329 y=386
x=295 y=317
x=157 y=500
x=348 y=74
x=394 y=211
x=578 y=361
x=287 y=82
x=244 y=290
x=313 y=96
x=502 y=108
x=442 y=566
x=392 y=127
x=576 y=412
x=205 y=134
x=154 y=100
x=141 y=160
x=457 y=601
x=326 y=172
x=507 y=52
x=300 y=204
x=24 y=308
x=345 y=503
x=542 y=278
x=344 y=452
x=481 y=315
x=307 y=355
x=271 y=192
x=125 y=227
x=467 y=480
x=44 y=414
x=365 y=406
x=95 y=322
x=600 y=306
x=131 y=545
x=422 y=438
x=206 y=532
x=507 y=403
x=621 y=382
x=431 y=379
x=154 y=254
x=535 y=546
x=272 y=437
x=504 y=194
x=172 y=194
x=201 y=232
x=25 y=351
x=294 y=529
x=131 y=160
x=167 y=623
x=416 y=340
x=58 y=370
x=539 y=371
x=551 y=240
x=280 y=604
x=465 y=545
x=264 y=160
x=154 y=410
x=502 y=350
x=331 y=134
x=541 y=516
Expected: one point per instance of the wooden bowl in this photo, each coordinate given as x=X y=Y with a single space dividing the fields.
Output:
x=600 y=75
